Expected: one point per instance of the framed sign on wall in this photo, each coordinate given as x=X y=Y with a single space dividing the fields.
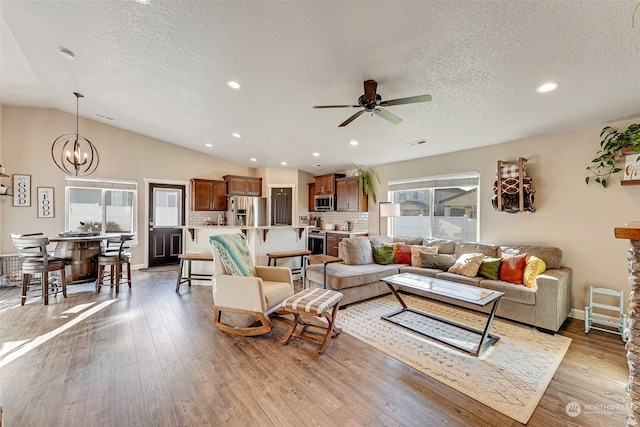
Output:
x=46 y=208
x=21 y=190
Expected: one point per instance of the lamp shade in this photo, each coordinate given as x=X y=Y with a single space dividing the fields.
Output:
x=389 y=209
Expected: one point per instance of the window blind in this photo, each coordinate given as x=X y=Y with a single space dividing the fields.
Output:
x=458 y=180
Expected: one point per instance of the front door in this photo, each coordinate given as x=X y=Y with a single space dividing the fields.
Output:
x=166 y=218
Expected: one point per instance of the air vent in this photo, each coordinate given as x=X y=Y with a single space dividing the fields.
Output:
x=418 y=142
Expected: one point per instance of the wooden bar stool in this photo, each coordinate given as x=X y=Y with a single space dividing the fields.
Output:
x=275 y=256
x=316 y=302
x=191 y=276
x=115 y=260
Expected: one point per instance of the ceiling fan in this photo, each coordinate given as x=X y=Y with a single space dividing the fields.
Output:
x=371 y=101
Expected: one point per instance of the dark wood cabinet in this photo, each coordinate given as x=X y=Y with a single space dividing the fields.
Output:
x=349 y=198
x=326 y=184
x=243 y=185
x=312 y=195
x=333 y=240
x=208 y=195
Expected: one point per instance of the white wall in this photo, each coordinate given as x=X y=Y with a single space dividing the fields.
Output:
x=577 y=218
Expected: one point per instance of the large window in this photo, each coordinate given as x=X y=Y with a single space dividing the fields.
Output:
x=444 y=207
x=100 y=205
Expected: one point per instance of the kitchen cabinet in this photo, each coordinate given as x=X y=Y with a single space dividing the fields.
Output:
x=243 y=185
x=208 y=195
x=333 y=240
x=349 y=198
x=326 y=184
x=312 y=195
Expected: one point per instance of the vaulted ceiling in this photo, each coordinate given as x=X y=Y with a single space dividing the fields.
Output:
x=160 y=69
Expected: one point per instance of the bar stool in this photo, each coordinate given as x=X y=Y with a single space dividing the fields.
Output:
x=34 y=259
x=115 y=260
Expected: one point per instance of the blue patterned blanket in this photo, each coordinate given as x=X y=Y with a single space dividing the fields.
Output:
x=234 y=254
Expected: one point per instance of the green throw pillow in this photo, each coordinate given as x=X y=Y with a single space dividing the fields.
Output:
x=490 y=268
x=384 y=254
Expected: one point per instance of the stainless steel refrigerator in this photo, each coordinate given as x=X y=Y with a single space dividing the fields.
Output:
x=247 y=211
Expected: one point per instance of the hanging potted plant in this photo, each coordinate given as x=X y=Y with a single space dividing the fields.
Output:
x=611 y=145
x=365 y=181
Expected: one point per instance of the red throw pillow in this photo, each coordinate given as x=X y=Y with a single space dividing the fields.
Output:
x=403 y=254
x=512 y=268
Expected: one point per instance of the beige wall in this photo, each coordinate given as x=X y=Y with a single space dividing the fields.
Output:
x=577 y=218
x=25 y=148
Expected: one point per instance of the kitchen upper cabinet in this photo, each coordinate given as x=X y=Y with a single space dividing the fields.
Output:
x=349 y=198
x=312 y=195
x=208 y=195
x=243 y=185
x=326 y=184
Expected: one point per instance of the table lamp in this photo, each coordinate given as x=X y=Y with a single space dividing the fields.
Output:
x=385 y=210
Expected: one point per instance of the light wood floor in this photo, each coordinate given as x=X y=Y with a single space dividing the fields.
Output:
x=152 y=357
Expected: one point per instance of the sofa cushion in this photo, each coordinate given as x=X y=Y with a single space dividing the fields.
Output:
x=438 y=261
x=512 y=268
x=467 y=264
x=444 y=246
x=535 y=266
x=516 y=293
x=357 y=251
x=403 y=254
x=551 y=256
x=409 y=240
x=384 y=254
x=415 y=253
x=378 y=240
x=465 y=280
x=470 y=248
x=341 y=276
x=490 y=268
x=429 y=272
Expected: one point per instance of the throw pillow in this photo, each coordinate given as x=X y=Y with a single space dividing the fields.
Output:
x=415 y=253
x=403 y=254
x=357 y=251
x=490 y=268
x=467 y=264
x=535 y=266
x=438 y=261
x=233 y=251
x=512 y=268
x=383 y=254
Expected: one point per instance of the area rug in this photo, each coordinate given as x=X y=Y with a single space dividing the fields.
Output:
x=159 y=268
x=510 y=377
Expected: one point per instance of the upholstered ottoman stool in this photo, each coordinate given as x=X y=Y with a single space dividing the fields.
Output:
x=316 y=302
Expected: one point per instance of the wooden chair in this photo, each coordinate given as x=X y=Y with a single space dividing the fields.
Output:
x=257 y=297
x=115 y=255
x=34 y=259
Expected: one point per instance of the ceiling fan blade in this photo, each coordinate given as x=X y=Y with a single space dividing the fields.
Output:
x=352 y=118
x=409 y=100
x=390 y=117
x=336 y=106
x=370 y=87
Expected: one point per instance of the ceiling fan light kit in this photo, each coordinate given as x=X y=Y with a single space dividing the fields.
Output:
x=371 y=102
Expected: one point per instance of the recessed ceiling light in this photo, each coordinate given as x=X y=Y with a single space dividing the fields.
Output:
x=66 y=53
x=253 y=159
x=209 y=145
x=315 y=154
x=233 y=84
x=235 y=135
x=283 y=163
x=354 y=142
x=144 y=1
x=547 y=87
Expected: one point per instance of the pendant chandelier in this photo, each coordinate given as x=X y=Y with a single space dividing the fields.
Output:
x=75 y=154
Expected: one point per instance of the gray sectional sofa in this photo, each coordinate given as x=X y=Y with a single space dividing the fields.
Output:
x=546 y=306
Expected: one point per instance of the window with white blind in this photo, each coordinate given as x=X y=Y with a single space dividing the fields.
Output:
x=444 y=206
x=100 y=204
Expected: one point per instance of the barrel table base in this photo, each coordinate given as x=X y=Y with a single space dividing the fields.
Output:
x=81 y=256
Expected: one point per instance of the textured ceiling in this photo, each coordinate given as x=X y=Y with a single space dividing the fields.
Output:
x=160 y=70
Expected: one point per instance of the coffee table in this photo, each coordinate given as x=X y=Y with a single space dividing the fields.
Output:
x=428 y=286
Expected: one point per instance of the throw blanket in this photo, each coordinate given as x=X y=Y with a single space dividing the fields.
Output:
x=234 y=254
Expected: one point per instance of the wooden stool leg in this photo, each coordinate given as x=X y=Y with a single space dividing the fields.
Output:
x=118 y=268
x=189 y=270
x=129 y=273
x=63 y=277
x=294 y=325
x=45 y=287
x=331 y=328
x=25 y=287
x=179 y=275
x=100 y=278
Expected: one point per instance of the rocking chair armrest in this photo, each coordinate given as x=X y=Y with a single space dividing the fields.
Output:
x=239 y=292
x=274 y=274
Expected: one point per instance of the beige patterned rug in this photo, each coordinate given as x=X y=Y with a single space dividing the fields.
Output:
x=509 y=377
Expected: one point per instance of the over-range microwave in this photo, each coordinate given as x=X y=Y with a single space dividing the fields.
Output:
x=324 y=202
